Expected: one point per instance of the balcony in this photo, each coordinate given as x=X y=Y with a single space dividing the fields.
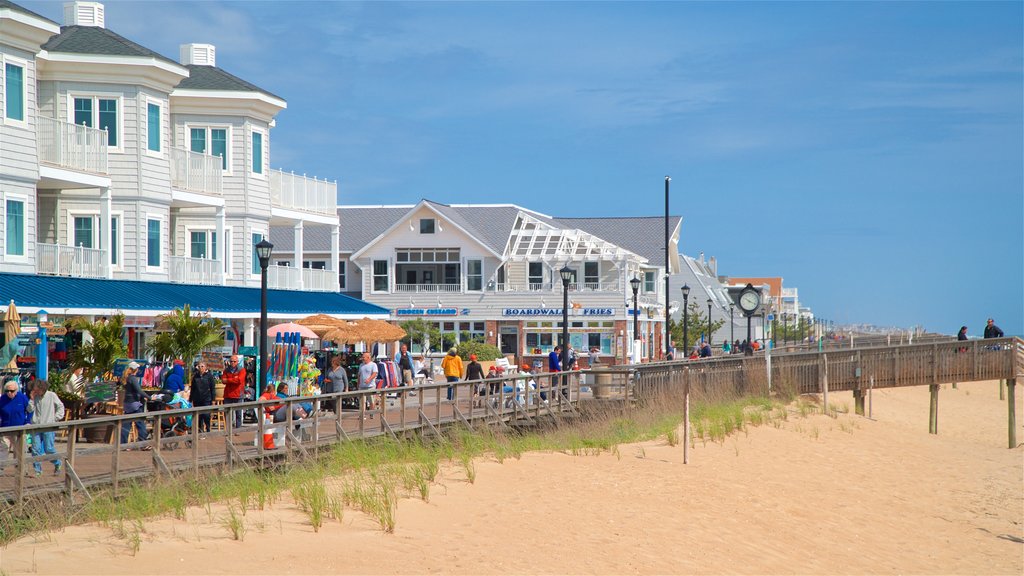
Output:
x=194 y=172
x=293 y=192
x=186 y=270
x=58 y=260
x=556 y=287
x=66 y=145
x=319 y=280
x=283 y=277
x=428 y=288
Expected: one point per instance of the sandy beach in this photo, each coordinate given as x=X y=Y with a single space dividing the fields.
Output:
x=809 y=495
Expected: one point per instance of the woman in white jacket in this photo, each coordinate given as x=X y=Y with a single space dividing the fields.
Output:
x=47 y=409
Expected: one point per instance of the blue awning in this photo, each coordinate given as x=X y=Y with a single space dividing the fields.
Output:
x=88 y=296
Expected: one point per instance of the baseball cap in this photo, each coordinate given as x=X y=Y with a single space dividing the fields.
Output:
x=133 y=365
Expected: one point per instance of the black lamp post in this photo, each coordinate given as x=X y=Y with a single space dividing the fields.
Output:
x=263 y=250
x=686 y=321
x=785 y=328
x=635 y=285
x=567 y=274
x=732 y=326
x=709 y=322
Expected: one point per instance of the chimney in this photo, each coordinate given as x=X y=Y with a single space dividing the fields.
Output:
x=702 y=257
x=713 y=265
x=198 y=54
x=83 y=14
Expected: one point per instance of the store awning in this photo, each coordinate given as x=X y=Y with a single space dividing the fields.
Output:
x=94 y=297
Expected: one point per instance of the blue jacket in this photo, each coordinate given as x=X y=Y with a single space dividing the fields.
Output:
x=14 y=411
x=554 y=361
x=176 y=379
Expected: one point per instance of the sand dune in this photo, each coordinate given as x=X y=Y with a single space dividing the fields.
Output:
x=814 y=495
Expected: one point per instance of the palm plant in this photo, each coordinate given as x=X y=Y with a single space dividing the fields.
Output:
x=97 y=356
x=185 y=335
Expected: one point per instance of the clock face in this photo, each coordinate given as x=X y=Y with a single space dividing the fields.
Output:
x=749 y=301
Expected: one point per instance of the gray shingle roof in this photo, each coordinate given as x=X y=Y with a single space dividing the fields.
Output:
x=23 y=10
x=96 y=40
x=642 y=235
x=213 y=78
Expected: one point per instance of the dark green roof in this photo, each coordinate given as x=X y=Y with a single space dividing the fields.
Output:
x=96 y=40
x=213 y=78
x=23 y=10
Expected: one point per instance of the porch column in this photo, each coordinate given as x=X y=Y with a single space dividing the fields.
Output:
x=107 y=237
x=298 y=251
x=335 y=249
x=221 y=241
x=248 y=328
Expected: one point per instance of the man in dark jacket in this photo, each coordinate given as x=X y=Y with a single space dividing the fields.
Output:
x=202 y=394
x=992 y=331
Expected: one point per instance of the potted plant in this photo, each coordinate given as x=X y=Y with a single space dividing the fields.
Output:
x=96 y=358
x=184 y=335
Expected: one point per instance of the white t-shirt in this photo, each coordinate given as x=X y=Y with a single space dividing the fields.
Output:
x=367 y=376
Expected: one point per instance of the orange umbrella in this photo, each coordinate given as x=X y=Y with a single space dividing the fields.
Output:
x=12 y=327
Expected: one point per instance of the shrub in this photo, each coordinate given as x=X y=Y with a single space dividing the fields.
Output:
x=484 y=352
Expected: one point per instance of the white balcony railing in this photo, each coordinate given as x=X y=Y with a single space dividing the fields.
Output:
x=69 y=146
x=186 y=270
x=196 y=172
x=283 y=277
x=58 y=260
x=557 y=287
x=319 y=280
x=419 y=288
x=289 y=190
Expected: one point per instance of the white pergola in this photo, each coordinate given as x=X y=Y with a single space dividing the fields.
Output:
x=534 y=240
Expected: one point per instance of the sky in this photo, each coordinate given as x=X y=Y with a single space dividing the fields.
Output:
x=871 y=154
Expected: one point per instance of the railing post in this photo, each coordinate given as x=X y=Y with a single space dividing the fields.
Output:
x=1011 y=415
x=824 y=382
x=116 y=457
x=19 y=482
x=933 y=408
x=69 y=463
x=686 y=416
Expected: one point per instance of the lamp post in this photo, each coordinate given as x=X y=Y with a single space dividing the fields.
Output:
x=263 y=250
x=42 y=362
x=785 y=328
x=567 y=274
x=686 y=321
x=732 y=326
x=709 y=322
x=635 y=285
x=668 y=268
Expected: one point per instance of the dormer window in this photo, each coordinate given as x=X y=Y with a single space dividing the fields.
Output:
x=427 y=225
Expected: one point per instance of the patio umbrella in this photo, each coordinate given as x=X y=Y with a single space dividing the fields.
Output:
x=321 y=323
x=344 y=333
x=288 y=327
x=12 y=327
x=380 y=330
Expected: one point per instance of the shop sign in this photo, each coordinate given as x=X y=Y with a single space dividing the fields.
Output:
x=557 y=312
x=430 y=311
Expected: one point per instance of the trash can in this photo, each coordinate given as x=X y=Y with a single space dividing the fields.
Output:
x=601 y=382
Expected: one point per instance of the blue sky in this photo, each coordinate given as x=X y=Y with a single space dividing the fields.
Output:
x=872 y=154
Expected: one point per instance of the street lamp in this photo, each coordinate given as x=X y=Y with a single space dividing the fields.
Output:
x=263 y=250
x=635 y=285
x=686 y=321
x=567 y=274
x=732 y=326
x=709 y=322
x=42 y=362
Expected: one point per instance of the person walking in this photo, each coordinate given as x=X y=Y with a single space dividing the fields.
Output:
x=233 y=379
x=15 y=410
x=46 y=409
x=992 y=331
x=203 y=391
x=962 y=334
x=368 y=378
x=134 y=403
x=336 y=381
x=404 y=362
x=452 y=366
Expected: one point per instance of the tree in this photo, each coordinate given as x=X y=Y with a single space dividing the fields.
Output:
x=96 y=357
x=186 y=335
x=697 y=325
x=419 y=330
x=484 y=352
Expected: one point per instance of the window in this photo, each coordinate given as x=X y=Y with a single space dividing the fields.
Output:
x=15 y=245
x=153 y=243
x=213 y=245
x=197 y=139
x=218 y=139
x=153 y=142
x=115 y=228
x=591 y=275
x=14 y=91
x=474 y=275
x=341 y=274
x=380 y=275
x=649 y=286
x=257 y=153
x=97 y=112
x=256 y=239
x=198 y=241
x=83 y=112
x=427 y=255
x=83 y=231
x=536 y=276
x=426 y=225
x=314 y=264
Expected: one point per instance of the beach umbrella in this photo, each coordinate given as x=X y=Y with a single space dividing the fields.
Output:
x=344 y=333
x=12 y=327
x=379 y=330
x=321 y=323
x=291 y=327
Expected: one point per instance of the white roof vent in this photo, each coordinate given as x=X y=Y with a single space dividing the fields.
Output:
x=83 y=14
x=198 y=54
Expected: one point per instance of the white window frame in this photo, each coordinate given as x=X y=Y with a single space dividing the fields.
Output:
x=96 y=97
x=146 y=217
x=433 y=221
x=264 y=156
x=209 y=232
x=373 y=275
x=342 y=265
x=249 y=246
x=465 y=266
x=4 y=119
x=24 y=225
x=120 y=241
x=145 y=141
x=209 y=140
x=71 y=214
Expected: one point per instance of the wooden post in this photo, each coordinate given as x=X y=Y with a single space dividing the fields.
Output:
x=69 y=463
x=686 y=417
x=824 y=383
x=933 y=409
x=19 y=483
x=115 y=463
x=1002 y=390
x=1011 y=412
